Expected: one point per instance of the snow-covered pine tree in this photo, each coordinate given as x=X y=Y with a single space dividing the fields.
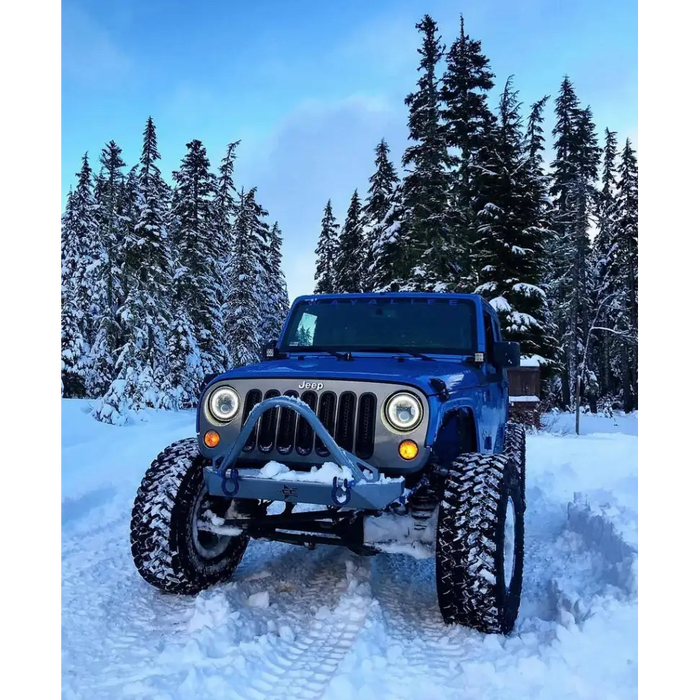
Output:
x=382 y=185
x=509 y=250
x=72 y=344
x=82 y=254
x=602 y=259
x=626 y=277
x=197 y=247
x=574 y=172
x=113 y=222
x=430 y=245
x=243 y=322
x=142 y=373
x=465 y=88
x=61 y=300
x=226 y=208
x=262 y=253
x=326 y=252
x=184 y=356
x=276 y=298
x=349 y=268
x=385 y=273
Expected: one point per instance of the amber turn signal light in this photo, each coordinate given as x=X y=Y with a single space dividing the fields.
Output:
x=211 y=438
x=408 y=449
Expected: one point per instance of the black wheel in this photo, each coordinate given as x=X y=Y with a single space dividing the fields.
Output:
x=514 y=448
x=479 y=544
x=169 y=550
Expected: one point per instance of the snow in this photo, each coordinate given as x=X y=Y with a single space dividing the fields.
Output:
x=500 y=304
x=532 y=361
x=323 y=475
x=529 y=289
x=329 y=624
x=395 y=534
x=530 y=399
x=259 y=600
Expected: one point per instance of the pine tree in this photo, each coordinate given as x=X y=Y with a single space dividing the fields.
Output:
x=574 y=173
x=326 y=253
x=226 y=209
x=61 y=301
x=185 y=360
x=225 y=203
x=261 y=237
x=276 y=299
x=626 y=279
x=142 y=373
x=82 y=253
x=385 y=273
x=430 y=242
x=383 y=184
x=350 y=261
x=603 y=254
x=465 y=87
x=510 y=247
x=113 y=222
x=198 y=251
x=243 y=326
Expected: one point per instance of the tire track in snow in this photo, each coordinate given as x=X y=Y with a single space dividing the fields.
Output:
x=405 y=589
x=304 y=666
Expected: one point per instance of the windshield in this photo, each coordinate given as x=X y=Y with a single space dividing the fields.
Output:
x=411 y=324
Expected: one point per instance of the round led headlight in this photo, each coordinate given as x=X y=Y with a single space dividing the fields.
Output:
x=403 y=411
x=223 y=403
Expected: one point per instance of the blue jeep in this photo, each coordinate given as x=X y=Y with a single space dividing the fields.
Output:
x=370 y=409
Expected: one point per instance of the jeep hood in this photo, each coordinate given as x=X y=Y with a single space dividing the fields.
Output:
x=414 y=371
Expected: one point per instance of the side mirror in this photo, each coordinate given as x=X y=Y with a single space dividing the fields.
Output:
x=506 y=354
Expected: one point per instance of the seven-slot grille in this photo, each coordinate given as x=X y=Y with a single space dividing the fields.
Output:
x=348 y=417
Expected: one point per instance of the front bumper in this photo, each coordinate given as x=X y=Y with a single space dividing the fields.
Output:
x=366 y=490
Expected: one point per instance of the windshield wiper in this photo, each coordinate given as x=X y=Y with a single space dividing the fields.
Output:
x=412 y=353
x=340 y=354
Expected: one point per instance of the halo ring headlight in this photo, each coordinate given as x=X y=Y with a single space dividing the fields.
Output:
x=224 y=403
x=403 y=411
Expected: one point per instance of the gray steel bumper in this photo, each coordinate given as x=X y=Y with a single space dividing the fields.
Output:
x=366 y=490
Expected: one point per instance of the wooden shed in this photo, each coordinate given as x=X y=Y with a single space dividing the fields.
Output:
x=524 y=392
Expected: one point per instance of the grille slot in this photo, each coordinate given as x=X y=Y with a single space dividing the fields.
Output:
x=305 y=435
x=287 y=427
x=366 y=416
x=268 y=425
x=252 y=397
x=326 y=414
x=345 y=430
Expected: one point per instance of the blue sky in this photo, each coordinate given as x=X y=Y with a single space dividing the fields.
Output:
x=310 y=87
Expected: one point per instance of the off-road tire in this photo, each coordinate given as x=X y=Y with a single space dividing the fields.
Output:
x=162 y=535
x=470 y=540
x=514 y=448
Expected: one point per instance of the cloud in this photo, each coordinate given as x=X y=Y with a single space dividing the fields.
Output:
x=187 y=102
x=89 y=55
x=320 y=151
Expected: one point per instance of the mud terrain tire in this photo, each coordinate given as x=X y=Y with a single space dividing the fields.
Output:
x=514 y=448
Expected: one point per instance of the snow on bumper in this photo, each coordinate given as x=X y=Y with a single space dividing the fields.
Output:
x=249 y=484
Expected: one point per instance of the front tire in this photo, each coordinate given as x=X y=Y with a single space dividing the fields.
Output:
x=480 y=543
x=514 y=449
x=168 y=550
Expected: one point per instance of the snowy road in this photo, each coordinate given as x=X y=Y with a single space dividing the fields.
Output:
x=331 y=625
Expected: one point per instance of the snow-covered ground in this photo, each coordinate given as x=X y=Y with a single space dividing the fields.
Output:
x=329 y=624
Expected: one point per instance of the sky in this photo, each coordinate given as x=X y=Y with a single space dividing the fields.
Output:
x=310 y=87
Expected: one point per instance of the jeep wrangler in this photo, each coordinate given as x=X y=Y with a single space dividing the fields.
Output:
x=368 y=407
